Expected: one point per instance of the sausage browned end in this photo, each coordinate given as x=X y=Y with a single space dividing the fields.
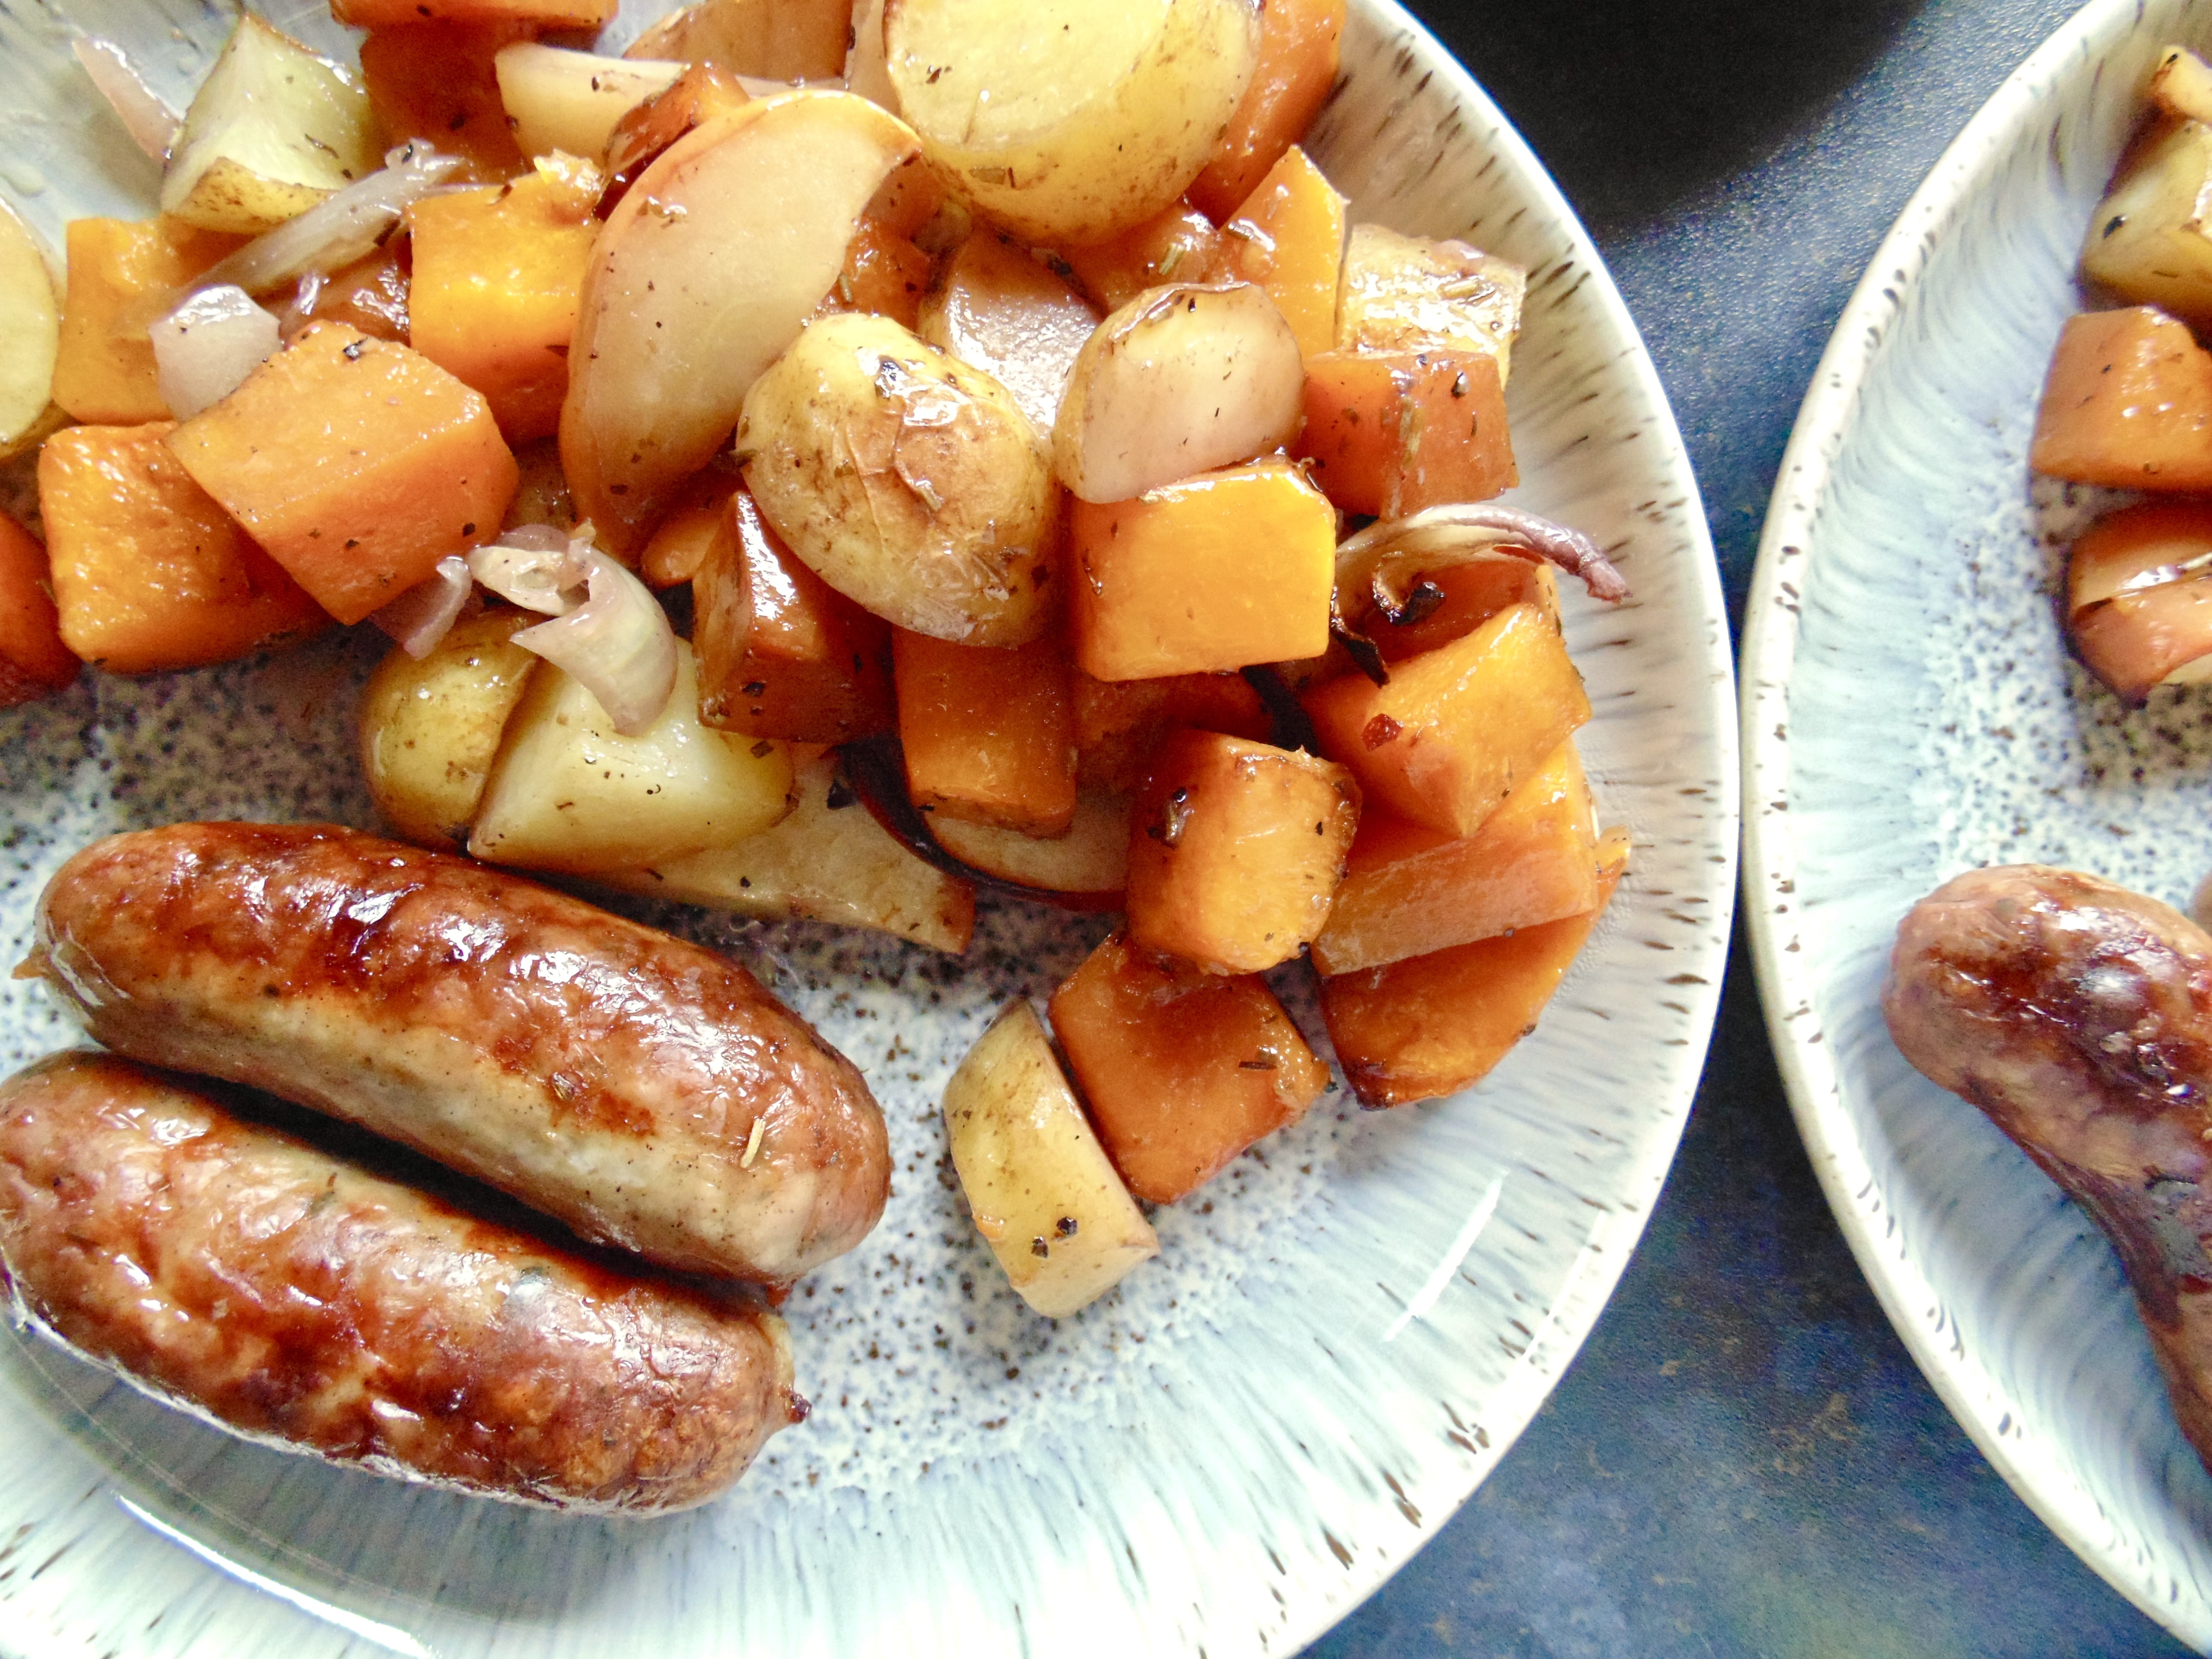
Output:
x=285 y=1293
x=645 y=1091
x=2078 y=1015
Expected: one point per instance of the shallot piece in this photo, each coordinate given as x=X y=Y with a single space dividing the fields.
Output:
x=208 y=345
x=1382 y=559
x=419 y=619
x=150 y=122
x=534 y=565
x=617 y=642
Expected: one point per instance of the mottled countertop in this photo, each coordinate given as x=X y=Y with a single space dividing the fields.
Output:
x=1744 y=1459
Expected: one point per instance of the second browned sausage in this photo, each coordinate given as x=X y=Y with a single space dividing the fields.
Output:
x=645 y=1091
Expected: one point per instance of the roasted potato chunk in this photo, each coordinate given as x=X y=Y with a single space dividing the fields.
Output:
x=1407 y=294
x=430 y=728
x=2148 y=241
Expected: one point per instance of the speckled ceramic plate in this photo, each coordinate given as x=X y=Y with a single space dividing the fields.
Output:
x=1910 y=712
x=1343 y=1334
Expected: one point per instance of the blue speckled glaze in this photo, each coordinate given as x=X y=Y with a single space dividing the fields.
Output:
x=1343 y=1333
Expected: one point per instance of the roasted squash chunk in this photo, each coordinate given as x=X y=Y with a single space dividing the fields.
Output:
x=435 y=80
x=1455 y=731
x=885 y=273
x=104 y=373
x=148 y=571
x=1457 y=602
x=357 y=463
x=1182 y=1070
x=1178 y=244
x=1288 y=236
x=34 y=661
x=1392 y=433
x=2127 y=403
x=1431 y=1025
x=1118 y=723
x=1236 y=848
x=1298 y=49
x=988 y=732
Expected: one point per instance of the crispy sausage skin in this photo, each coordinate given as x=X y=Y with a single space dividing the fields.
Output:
x=285 y=1293
x=645 y=1091
x=2078 y=1015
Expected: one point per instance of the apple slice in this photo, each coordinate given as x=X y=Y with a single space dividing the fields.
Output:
x=703 y=276
x=1091 y=861
x=30 y=330
x=2139 y=596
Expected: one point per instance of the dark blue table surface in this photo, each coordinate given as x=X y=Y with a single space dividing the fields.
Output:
x=1743 y=1460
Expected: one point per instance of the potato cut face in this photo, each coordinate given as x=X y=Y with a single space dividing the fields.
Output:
x=1458 y=729
x=910 y=482
x=2181 y=85
x=273 y=130
x=2127 y=403
x=560 y=100
x=2149 y=241
x=1178 y=381
x=1435 y=1024
x=1065 y=120
x=1041 y=1189
x=1210 y=574
x=1236 y=849
x=1091 y=857
x=1408 y=294
x=30 y=329
x=998 y=310
x=828 y=861
x=989 y=735
x=429 y=729
x=1183 y=1069
x=567 y=791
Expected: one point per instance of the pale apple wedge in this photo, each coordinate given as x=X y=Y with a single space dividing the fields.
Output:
x=1092 y=859
x=30 y=330
x=2139 y=596
x=703 y=276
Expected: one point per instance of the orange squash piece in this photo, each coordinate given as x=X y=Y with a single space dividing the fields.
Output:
x=1182 y=1070
x=1178 y=244
x=1392 y=433
x=1408 y=891
x=703 y=93
x=1464 y=597
x=369 y=294
x=782 y=653
x=679 y=544
x=357 y=463
x=883 y=273
x=1215 y=572
x=498 y=280
x=2127 y=403
x=1433 y=1025
x=1299 y=44
x=1119 y=723
x=988 y=732
x=1288 y=237
x=103 y=373
x=435 y=80
x=537 y=13
x=1457 y=729
x=150 y=573
x=1236 y=849
x=34 y=661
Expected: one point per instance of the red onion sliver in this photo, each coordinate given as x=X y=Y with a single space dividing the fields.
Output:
x=421 y=617
x=206 y=347
x=150 y=122
x=617 y=642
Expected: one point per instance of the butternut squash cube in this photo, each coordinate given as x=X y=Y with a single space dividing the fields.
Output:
x=104 y=374
x=1182 y=1070
x=357 y=463
x=34 y=661
x=1178 y=244
x=988 y=732
x=1212 y=572
x=435 y=80
x=1466 y=597
x=369 y=294
x=499 y=274
x=677 y=550
x=702 y=93
x=1392 y=433
x=1236 y=848
x=885 y=274
x=1298 y=49
x=1119 y=723
x=1434 y=1024
x=150 y=573
x=1288 y=236
x=2127 y=403
x=1408 y=891
x=782 y=653
x=1457 y=729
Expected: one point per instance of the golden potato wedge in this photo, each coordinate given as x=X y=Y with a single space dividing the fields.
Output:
x=1180 y=380
x=30 y=330
x=1067 y=121
x=430 y=728
x=1407 y=294
x=828 y=861
x=2148 y=240
x=273 y=130
x=1043 y=1191
x=910 y=482
x=2181 y=85
x=773 y=39
x=567 y=101
x=997 y=309
x=567 y=791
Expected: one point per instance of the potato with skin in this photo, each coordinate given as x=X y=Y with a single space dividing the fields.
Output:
x=1043 y=1191
x=430 y=728
x=1066 y=120
x=910 y=482
x=1180 y=380
x=2149 y=241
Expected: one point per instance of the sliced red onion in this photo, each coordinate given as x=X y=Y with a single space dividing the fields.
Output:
x=534 y=565
x=150 y=122
x=421 y=617
x=206 y=347
x=617 y=642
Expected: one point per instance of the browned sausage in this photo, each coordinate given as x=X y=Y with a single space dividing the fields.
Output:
x=259 y=1281
x=645 y=1091
x=2078 y=1015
